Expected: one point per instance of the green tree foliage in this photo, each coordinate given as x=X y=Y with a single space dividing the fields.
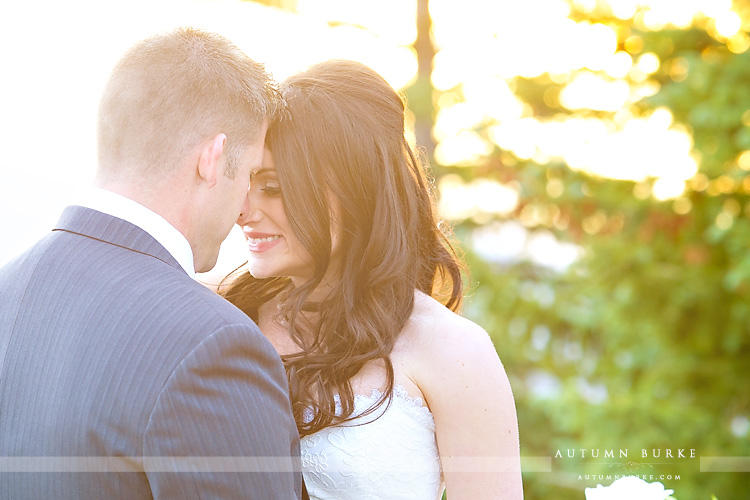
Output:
x=644 y=342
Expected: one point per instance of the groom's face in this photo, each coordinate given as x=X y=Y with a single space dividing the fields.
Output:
x=228 y=202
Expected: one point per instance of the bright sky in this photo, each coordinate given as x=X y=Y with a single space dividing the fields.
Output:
x=57 y=55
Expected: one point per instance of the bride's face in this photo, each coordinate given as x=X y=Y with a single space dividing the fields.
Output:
x=274 y=250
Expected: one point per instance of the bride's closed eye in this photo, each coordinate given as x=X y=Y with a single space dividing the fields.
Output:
x=265 y=181
x=271 y=188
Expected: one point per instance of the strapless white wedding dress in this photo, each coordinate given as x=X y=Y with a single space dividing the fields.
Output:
x=392 y=457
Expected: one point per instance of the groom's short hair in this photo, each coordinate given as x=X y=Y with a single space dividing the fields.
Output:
x=170 y=92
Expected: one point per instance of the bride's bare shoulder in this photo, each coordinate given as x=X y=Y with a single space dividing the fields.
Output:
x=436 y=326
x=436 y=336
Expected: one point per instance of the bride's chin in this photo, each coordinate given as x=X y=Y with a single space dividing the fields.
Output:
x=258 y=273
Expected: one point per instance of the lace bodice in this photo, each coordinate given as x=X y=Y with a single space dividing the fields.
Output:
x=392 y=457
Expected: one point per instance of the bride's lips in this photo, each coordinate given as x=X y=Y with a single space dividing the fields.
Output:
x=261 y=242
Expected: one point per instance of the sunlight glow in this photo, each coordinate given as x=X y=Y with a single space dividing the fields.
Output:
x=473 y=21
x=659 y=14
x=739 y=43
x=393 y=20
x=713 y=8
x=547 y=41
x=465 y=148
x=743 y=160
x=591 y=91
x=672 y=13
x=453 y=66
x=603 y=148
x=618 y=65
x=524 y=39
x=667 y=188
x=499 y=102
x=728 y=23
x=601 y=42
x=459 y=200
x=648 y=63
x=585 y=5
x=623 y=9
x=510 y=242
x=452 y=120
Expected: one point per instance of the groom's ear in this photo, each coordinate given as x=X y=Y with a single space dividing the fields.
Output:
x=209 y=161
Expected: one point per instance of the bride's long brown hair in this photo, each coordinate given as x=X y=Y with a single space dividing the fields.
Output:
x=342 y=139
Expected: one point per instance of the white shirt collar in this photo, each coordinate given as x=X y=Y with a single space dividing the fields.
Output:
x=154 y=224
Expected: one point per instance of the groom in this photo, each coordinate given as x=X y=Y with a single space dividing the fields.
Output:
x=120 y=375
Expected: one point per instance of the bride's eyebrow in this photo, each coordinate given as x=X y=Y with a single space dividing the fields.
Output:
x=262 y=171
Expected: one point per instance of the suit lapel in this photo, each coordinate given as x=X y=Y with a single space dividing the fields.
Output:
x=118 y=232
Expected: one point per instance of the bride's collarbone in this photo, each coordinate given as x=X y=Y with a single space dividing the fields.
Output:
x=405 y=357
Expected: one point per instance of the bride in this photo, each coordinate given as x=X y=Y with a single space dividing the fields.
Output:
x=352 y=280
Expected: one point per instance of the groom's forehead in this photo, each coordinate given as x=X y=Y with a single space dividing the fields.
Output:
x=253 y=157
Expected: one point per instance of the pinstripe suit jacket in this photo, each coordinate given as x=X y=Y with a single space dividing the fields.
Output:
x=108 y=349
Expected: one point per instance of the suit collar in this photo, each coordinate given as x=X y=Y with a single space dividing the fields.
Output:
x=122 y=207
x=92 y=224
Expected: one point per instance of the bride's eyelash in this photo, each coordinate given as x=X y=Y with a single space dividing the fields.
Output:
x=271 y=190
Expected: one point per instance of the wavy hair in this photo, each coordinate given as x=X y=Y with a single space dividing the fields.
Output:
x=343 y=161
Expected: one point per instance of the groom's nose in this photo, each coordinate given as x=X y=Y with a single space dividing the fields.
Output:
x=248 y=213
x=244 y=211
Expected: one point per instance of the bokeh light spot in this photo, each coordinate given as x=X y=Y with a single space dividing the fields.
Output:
x=728 y=24
x=648 y=63
x=743 y=160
